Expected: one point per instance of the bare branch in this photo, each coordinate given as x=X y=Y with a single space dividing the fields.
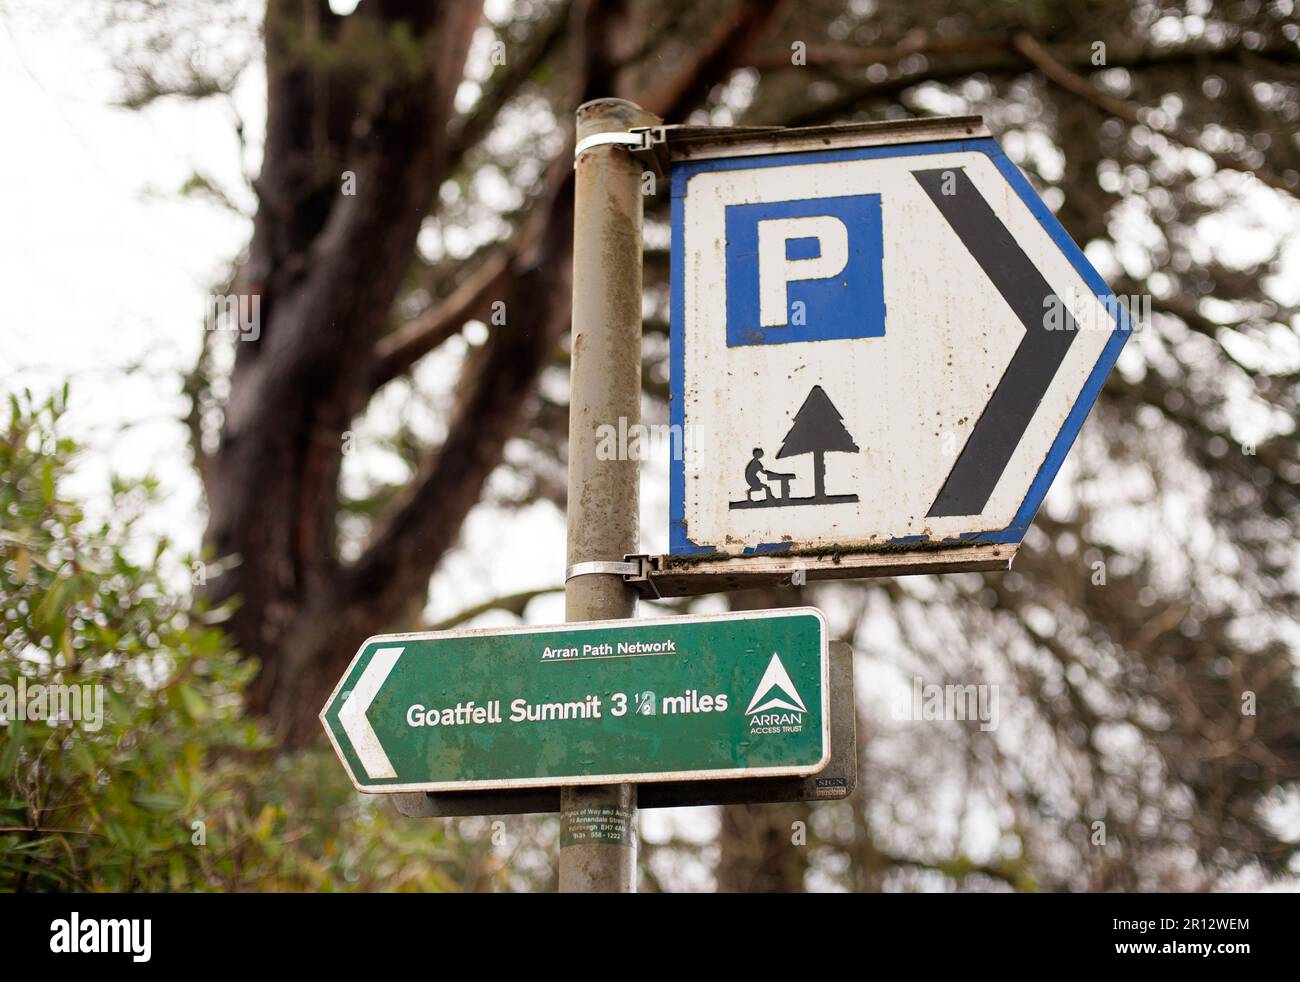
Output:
x=513 y=603
x=998 y=58
x=1040 y=58
x=397 y=352
x=914 y=42
x=725 y=50
x=469 y=129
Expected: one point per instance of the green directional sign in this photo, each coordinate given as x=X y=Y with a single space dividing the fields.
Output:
x=670 y=699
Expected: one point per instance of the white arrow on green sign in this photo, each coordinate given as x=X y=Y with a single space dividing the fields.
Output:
x=631 y=701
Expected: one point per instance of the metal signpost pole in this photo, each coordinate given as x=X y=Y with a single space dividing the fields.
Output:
x=597 y=824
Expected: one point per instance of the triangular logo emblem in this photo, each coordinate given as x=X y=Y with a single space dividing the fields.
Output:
x=775 y=691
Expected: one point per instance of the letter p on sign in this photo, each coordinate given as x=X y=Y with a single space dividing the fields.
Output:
x=824 y=253
x=779 y=243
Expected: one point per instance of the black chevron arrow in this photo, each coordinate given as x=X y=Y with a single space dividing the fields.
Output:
x=1001 y=426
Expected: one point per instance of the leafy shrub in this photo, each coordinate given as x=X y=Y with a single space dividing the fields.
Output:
x=173 y=788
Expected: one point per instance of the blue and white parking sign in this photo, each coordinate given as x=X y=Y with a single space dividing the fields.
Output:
x=873 y=346
x=804 y=270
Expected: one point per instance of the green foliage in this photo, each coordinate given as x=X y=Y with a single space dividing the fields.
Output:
x=172 y=788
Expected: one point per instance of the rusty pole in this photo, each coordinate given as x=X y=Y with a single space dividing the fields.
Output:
x=598 y=846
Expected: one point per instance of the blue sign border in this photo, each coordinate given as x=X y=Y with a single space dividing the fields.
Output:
x=678 y=542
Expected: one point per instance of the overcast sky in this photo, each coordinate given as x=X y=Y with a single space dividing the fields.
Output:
x=106 y=268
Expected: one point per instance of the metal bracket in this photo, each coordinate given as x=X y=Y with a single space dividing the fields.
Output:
x=669 y=576
x=633 y=138
x=644 y=143
x=653 y=150
x=639 y=576
x=656 y=147
x=595 y=567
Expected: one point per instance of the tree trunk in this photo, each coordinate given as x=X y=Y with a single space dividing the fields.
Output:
x=370 y=95
x=327 y=267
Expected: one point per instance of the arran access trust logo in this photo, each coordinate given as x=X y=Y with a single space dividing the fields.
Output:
x=775 y=692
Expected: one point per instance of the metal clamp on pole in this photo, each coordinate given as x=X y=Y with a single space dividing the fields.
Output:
x=635 y=570
x=635 y=138
x=597 y=566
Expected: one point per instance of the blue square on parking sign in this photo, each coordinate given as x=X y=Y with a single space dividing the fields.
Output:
x=805 y=270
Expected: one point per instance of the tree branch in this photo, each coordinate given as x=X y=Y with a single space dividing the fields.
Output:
x=1000 y=59
x=840 y=56
x=467 y=130
x=512 y=603
x=1077 y=85
x=725 y=50
x=491 y=408
x=397 y=352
